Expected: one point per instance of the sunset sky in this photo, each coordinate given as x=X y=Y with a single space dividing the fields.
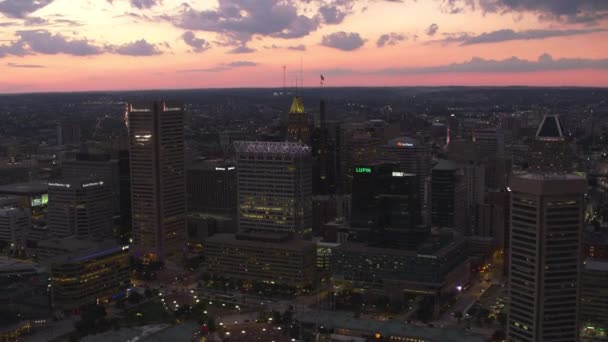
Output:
x=78 y=45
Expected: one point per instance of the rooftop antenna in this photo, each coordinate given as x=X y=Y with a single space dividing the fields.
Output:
x=284 y=79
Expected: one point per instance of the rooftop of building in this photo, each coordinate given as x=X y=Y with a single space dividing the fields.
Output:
x=445 y=165
x=76 y=250
x=29 y=188
x=597 y=237
x=436 y=246
x=345 y=320
x=548 y=176
x=297 y=106
x=15 y=265
x=213 y=164
x=75 y=182
x=263 y=242
x=403 y=142
x=596 y=265
x=550 y=128
x=271 y=147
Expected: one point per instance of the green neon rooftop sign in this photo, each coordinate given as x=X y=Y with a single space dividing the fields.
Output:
x=363 y=170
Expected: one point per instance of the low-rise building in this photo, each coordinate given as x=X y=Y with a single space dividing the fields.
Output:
x=269 y=258
x=85 y=272
x=436 y=267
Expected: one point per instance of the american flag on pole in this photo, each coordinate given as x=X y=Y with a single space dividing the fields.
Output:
x=322 y=79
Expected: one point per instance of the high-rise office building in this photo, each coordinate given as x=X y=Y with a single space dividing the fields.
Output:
x=545 y=257
x=324 y=157
x=385 y=207
x=413 y=157
x=593 y=320
x=212 y=188
x=275 y=187
x=357 y=144
x=68 y=133
x=158 y=201
x=95 y=166
x=298 y=123
x=14 y=225
x=594 y=301
x=448 y=194
x=80 y=207
x=212 y=199
x=550 y=151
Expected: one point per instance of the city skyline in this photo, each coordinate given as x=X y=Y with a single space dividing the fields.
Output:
x=56 y=45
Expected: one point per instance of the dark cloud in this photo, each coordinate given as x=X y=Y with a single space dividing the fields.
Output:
x=17 y=65
x=242 y=49
x=66 y=22
x=241 y=64
x=336 y=11
x=21 y=8
x=345 y=41
x=137 y=48
x=300 y=47
x=222 y=67
x=432 y=29
x=456 y=6
x=573 y=11
x=508 y=35
x=239 y=20
x=44 y=42
x=31 y=42
x=144 y=4
x=35 y=21
x=390 y=39
x=197 y=44
x=510 y=65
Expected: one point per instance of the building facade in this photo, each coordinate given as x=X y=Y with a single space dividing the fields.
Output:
x=80 y=207
x=79 y=279
x=545 y=257
x=273 y=259
x=275 y=187
x=158 y=200
x=14 y=225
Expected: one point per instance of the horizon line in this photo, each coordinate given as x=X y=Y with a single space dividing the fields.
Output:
x=42 y=92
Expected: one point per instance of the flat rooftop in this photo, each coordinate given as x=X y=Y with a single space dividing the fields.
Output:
x=15 y=265
x=595 y=265
x=76 y=250
x=231 y=239
x=345 y=320
x=268 y=147
x=549 y=176
x=29 y=188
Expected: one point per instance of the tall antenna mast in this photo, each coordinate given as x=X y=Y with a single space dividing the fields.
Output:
x=284 y=79
x=301 y=72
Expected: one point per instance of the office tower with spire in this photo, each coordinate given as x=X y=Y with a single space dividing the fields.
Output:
x=545 y=257
x=80 y=207
x=156 y=139
x=298 y=123
x=550 y=151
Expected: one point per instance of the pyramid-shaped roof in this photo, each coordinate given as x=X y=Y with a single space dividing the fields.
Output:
x=297 y=106
x=550 y=129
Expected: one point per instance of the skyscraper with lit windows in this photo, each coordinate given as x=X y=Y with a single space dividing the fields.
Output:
x=545 y=257
x=275 y=187
x=156 y=139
